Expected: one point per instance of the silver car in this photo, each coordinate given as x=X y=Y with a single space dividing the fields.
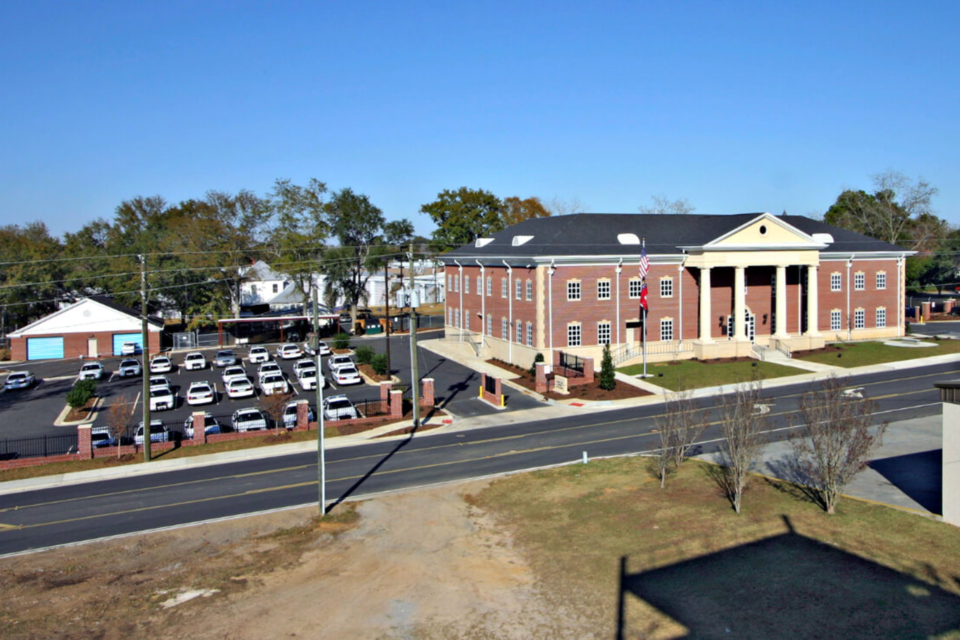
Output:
x=129 y=368
x=19 y=380
x=91 y=371
x=225 y=358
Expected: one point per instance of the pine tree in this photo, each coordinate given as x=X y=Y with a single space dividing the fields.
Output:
x=607 y=378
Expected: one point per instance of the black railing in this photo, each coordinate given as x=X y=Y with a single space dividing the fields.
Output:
x=573 y=364
x=38 y=447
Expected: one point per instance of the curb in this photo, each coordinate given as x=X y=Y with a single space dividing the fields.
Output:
x=91 y=416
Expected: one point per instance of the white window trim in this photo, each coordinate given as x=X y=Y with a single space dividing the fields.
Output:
x=876 y=317
x=859 y=318
x=859 y=281
x=630 y=287
x=666 y=281
x=608 y=326
x=664 y=323
x=529 y=290
x=880 y=277
x=609 y=286
x=836 y=313
x=579 y=287
x=837 y=278
x=579 y=329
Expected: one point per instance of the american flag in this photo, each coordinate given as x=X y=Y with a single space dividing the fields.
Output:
x=644 y=263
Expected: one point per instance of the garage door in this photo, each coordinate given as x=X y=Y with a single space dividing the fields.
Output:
x=44 y=348
x=120 y=338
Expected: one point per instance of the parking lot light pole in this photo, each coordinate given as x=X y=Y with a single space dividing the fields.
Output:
x=321 y=461
x=145 y=355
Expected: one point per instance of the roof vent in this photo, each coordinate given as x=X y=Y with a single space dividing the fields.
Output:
x=519 y=240
x=628 y=238
x=482 y=242
x=825 y=238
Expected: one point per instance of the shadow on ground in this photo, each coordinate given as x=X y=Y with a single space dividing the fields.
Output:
x=788 y=586
x=919 y=475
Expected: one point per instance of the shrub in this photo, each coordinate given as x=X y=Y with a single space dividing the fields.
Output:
x=81 y=393
x=608 y=378
x=533 y=368
x=364 y=354
x=379 y=363
x=341 y=341
x=4 y=354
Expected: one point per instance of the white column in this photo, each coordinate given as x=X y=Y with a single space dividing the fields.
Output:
x=739 y=304
x=706 y=314
x=781 y=329
x=812 y=304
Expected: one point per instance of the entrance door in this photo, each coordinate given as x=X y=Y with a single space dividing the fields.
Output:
x=92 y=348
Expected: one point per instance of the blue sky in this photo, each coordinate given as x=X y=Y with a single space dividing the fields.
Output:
x=765 y=106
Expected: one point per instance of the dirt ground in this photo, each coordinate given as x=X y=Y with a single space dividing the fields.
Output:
x=418 y=565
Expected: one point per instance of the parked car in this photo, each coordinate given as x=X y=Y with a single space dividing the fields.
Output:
x=347 y=374
x=289 y=352
x=200 y=393
x=194 y=361
x=159 y=381
x=101 y=437
x=290 y=415
x=91 y=371
x=158 y=432
x=339 y=408
x=268 y=368
x=130 y=348
x=225 y=358
x=339 y=361
x=308 y=379
x=258 y=355
x=19 y=380
x=210 y=425
x=248 y=420
x=303 y=364
x=161 y=399
x=321 y=346
x=129 y=368
x=161 y=364
x=233 y=373
x=239 y=388
x=274 y=383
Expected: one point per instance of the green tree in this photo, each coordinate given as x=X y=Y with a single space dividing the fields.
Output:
x=30 y=278
x=464 y=215
x=357 y=224
x=299 y=231
x=608 y=379
x=516 y=210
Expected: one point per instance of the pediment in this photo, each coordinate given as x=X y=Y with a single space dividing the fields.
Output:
x=764 y=232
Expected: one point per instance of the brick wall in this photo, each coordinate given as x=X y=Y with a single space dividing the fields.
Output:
x=75 y=344
x=869 y=299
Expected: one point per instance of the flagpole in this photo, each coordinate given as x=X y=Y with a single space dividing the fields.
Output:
x=644 y=341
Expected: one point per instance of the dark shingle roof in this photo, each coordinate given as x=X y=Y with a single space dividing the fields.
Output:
x=595 y=234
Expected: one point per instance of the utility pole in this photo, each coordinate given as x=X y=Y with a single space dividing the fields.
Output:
x=145 y=353
x=386 y=297
x=321 y=458
x=415 y=383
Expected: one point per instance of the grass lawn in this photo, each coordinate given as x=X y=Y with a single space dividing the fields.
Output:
x=691 y=374
x=607 y=544
x=859 y=354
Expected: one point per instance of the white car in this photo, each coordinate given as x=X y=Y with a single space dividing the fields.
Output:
x=19 y=380
x=240 y=388
x=200 y=393
x=158 y=432
x=303 y=364
x=248 y=420
x=308 y=379
x=194 y=361
x=210 y=426
x=161 y=364
x=161 y=399
x=159 y=381
x=234 y=373
x=290 y=415
x=347 y=374
x=91 y=371
x=129 y=368
x=336 y=362
x=289 y=352
x=273 y=383
x=258 y=355
x=323 y=348
x=268 y=368
x=339 y=408
x=129 y=348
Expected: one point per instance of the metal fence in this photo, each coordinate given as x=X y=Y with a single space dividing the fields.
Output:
x=571 y=363
x=402 y=323
x=38 y=447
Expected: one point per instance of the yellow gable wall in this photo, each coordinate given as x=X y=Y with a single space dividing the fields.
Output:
x=751 y=236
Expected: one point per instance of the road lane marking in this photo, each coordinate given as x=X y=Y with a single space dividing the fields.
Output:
x=4 y=527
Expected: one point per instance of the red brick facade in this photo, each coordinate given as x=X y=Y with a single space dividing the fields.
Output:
x=75 y=345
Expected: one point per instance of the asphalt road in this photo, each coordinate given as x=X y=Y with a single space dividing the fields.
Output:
x=43 y=518
x=938 y=329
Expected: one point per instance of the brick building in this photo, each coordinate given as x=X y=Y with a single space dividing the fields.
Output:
x=91 y=328
x=718 y=286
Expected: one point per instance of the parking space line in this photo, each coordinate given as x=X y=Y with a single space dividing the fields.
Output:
x=112 y=375
x=135 y=401
x=216 y=401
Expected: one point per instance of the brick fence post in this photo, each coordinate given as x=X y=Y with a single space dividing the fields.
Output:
x=303 y=416
x=541 y=377
x=588 y=369
x=84 y=445
x=925 y=310
x=426 y=395
x=385 y=388
x=396 y=404
x=199 y=428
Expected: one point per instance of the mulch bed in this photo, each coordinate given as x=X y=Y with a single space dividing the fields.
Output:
x=590 y=391
x=342 y=352
x=830 y=348
x=368 y=371
x=81 y=413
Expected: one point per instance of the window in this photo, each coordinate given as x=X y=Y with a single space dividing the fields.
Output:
x=859 y=319
x=882 y=280
x=636 y=284
x=881 y=318
x=456 y=284
x=504 y=329
x=457 y=317
x=449 y=283
x=519 y=289
x=466 y=284
x=489 y=325
x=603 y=333
x=489 y=286
x=573 y=335
x=836 y=282
x=603 y=290
x=666 y=330
x=503 y=287
x=666 y=287
x=253 y=289
x=276 y=288
x=835 y=320
x=859 y=281
x=466 y=319
x=529 y=290
x=449 y=316
x=573 y=289
x=519 y=333
x=529 y=334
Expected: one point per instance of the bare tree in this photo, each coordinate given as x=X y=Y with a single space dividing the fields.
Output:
x=742 y=421
x=836 y=442
x=118 y=419
x=563 y=207
x=273 y=405
x=679 y=427
x=663 y=204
